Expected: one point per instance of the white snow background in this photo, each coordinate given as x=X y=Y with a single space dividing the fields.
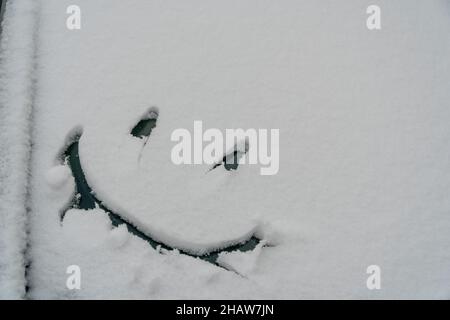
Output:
x=364 y=148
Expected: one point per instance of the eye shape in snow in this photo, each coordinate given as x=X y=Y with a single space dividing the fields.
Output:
x=145 y=126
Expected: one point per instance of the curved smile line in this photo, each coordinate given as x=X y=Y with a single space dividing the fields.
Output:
x=84 y=198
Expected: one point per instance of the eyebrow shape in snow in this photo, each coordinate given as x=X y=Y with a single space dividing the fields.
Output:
x=85 y=198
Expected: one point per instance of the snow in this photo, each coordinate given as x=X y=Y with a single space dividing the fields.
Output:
x=128 y=267
x=16 y=64
x=58 y=175
x=364 y=158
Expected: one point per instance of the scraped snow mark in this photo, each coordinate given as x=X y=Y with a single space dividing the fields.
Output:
x=240 y=262
x=144 y=127
x=85 y=200
x=231 y=159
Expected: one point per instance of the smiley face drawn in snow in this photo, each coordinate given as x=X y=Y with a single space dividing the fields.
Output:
x=188 y=207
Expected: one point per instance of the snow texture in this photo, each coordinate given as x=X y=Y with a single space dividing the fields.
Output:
x=58 y=176
x=16 y=91
x=364 y=159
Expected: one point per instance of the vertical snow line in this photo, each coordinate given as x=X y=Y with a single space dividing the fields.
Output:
x=31 y=126
x=17 y=64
